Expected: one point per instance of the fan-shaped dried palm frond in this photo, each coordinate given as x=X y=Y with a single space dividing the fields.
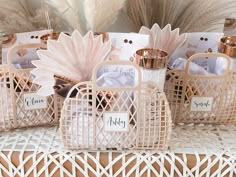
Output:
x=165 y=38
x=73 y=57
x=188 y=15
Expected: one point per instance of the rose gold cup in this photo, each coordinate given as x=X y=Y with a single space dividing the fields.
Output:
x=151 y=58
x=153 y=64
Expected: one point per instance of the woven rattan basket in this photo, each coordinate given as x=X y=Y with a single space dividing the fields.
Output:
x=202 y=99
x=19 y=104
x=130 y=117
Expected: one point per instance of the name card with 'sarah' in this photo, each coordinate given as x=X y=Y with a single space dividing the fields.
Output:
x=33 y=101
x=201 y=104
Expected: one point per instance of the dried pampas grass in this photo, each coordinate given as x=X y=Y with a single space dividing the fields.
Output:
x=22 y=15
x=85 y=15
x=188 y=15
x=70 y=11
x=101 y=14
x=98 y=15
x=65 y=15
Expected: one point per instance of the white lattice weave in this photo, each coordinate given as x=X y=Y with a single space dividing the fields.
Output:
x=194 y=151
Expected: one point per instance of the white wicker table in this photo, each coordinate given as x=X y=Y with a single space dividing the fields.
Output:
x=194 y=151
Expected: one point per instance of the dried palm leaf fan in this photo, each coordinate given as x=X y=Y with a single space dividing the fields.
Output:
x=188 y=15
x=72 y=57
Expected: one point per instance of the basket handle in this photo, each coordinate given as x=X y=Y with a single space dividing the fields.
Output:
x=13 y=50
x=116 y=63
x=201 y=55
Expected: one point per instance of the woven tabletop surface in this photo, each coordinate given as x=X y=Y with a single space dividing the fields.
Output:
x=189 y=139
x=194 y=150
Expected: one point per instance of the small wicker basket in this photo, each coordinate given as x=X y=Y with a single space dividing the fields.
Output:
x=130 y=117
x=19 y=104
x=202 y=99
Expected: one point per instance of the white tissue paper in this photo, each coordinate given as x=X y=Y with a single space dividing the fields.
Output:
x=221 y=66
x=115 y=79
x=124 y=46
x=200 y=42
x=194 y=69
x=118 y=80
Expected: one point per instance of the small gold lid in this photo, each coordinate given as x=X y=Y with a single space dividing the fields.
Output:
x=227 y=46
x=151 y=58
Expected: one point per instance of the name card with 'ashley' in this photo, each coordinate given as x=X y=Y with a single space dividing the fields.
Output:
x=33 y=101
x=201 y=104
x=116 y=121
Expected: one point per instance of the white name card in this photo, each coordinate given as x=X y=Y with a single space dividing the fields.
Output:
x=33 y=101
x=201 y=104
x=116 y=121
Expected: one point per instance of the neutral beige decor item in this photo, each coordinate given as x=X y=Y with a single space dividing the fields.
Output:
x=20 y=106
x=127 y=117
x=202 y=99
